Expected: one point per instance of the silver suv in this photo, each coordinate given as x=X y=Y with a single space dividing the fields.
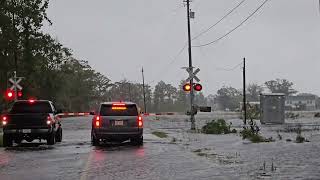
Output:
x=117 y=122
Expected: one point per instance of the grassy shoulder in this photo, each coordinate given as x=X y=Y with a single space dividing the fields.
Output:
x=160 y=134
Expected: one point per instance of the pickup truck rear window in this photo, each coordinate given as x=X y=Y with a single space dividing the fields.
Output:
x=109 y=110
x=27 y=107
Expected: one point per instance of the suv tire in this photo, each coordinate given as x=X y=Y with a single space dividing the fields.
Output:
x=94 y=141
x=51 y=140
x=59 y=135
x=137 y=141
x=7 y=140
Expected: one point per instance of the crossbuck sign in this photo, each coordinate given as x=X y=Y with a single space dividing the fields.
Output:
x=192 y=75
x=15 y=84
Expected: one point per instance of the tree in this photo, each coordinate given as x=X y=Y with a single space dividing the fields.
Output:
x=199 y=99
x=253 y=92
x=281 y=86
x=228 y=98
x=164 y=97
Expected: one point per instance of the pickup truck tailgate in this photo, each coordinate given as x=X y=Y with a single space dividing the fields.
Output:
x=19 y=121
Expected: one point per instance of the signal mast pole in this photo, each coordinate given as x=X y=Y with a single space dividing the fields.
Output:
x=192 y=119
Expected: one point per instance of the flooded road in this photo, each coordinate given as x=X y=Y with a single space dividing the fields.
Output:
x=182 y=156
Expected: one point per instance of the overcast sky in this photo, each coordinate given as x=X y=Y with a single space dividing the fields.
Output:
x=118 y=37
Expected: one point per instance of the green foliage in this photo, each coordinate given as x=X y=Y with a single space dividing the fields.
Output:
x=217 y=127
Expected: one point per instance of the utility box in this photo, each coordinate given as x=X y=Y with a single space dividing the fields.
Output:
x=272 y=108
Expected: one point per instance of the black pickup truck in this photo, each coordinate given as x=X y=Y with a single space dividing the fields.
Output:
x=29 y=120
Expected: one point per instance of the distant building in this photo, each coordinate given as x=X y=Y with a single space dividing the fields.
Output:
x=301 y=103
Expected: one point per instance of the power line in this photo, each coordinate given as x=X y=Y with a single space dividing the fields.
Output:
x=225 y=16
x=230 y=69
x=245 y=20
x=169 y=64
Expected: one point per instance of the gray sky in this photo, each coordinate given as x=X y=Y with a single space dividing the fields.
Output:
x=118 y=37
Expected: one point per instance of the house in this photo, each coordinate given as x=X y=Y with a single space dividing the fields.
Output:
x=301 y=102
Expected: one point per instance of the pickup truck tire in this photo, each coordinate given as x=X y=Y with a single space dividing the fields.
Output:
x=94 y=140
x=51 y=139
x=59 y=135
x=137 y=141
x=7 y=140
x=18 y=141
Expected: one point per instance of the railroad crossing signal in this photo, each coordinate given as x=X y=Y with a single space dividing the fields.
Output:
x=192 y=74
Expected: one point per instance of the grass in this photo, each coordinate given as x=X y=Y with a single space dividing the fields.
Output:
x=160 y=134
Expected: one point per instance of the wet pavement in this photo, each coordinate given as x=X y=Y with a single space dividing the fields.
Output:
x=182 y=155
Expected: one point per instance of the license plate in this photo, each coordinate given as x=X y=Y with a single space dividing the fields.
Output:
x=26 y=130
x=118 y=123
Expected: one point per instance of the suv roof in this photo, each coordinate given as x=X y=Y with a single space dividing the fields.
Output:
x=110 y=103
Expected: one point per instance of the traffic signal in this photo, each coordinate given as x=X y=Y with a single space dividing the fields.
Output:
x=187 y=87
x=197 y=87
x=20 y=94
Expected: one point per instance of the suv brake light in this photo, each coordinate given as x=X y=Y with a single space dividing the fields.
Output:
x=140 y=122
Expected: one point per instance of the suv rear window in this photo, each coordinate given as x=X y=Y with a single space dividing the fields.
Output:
x=127 y=110
x=28 y=107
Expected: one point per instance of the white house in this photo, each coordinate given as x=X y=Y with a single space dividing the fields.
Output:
x=301 y=102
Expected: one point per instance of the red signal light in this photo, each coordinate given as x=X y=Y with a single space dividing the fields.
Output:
x=187 y=87
x=19 y=93
x=197 y=87
x=10 y=94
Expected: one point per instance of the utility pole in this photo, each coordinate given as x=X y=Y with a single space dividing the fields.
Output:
x=15 y=87
x=244 y=92
x=144 y=93
x=192 y=119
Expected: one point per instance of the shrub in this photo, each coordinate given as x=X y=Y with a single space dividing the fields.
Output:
x=253 y=136
x=217 y=127
x=300 y=139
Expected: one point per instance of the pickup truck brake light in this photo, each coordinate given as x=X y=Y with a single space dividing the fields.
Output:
x=97 y=121
x=4 y=120
x=49 y=120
